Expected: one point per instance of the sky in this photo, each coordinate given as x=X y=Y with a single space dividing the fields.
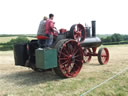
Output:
x=24 y=16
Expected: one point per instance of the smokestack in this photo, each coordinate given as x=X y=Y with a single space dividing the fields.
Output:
x=93 y=28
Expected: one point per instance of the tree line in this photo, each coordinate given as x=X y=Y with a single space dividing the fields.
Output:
x=109 y=40
x=115 y=39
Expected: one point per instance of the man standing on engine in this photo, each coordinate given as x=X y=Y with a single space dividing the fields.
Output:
x=49 y=30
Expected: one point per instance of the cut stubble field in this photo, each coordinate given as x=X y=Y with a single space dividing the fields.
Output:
x=20 y=81
x=8 y=38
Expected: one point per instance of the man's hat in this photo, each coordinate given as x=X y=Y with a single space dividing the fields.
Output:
x=45 y=17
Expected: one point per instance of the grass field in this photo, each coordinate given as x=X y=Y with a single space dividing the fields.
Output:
x=8 y=38
x=20 y=81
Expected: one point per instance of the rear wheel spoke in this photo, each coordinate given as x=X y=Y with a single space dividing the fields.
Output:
x=66 y=51
x=65 y=62
x=63 y=58
x=64 y=54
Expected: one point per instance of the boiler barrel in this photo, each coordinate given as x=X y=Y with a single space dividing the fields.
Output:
x=91 y=42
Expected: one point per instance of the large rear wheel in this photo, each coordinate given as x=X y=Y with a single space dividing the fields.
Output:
x=70 y=58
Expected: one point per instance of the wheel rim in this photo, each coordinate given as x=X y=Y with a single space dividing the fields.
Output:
x=87 y=55
x=78 y=32
x=104 y=56
x=70 y=58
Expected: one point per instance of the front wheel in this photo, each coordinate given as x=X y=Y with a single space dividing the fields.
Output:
x=87 y=54
x=103 y=56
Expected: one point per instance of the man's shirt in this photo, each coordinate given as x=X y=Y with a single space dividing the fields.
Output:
x=41 y=30
x=49 y=27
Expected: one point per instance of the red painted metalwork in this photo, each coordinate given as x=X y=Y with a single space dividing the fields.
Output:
x=70 y=58
x=62 y=30
x=87 y=54
x=94 y=50
x=103 y=56
x=79 y=32
x=42 y=37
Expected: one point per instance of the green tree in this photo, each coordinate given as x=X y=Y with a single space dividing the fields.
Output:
x=117 y=37
x=20 y=39
x=109 y=39
x=125 y=37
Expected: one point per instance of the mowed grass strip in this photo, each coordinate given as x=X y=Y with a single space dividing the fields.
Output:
x=21 y=81
x=7 y=39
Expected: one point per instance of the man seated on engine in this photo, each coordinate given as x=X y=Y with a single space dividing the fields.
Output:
x=41 y=32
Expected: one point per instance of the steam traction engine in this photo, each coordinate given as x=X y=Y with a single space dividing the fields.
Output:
x=67 y=54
